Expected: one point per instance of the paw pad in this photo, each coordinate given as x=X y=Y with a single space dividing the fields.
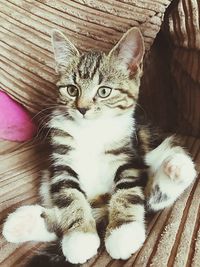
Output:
x=173 y=171
x=179 y=167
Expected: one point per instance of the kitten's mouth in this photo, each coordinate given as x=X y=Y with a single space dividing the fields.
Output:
x=79 y=116
x=85 y=117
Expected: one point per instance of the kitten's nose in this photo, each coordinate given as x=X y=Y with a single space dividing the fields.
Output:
x=82 y=110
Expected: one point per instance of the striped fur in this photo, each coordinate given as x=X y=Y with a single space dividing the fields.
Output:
x=103 y=162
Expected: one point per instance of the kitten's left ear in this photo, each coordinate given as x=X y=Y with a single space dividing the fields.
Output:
x=129 y=51
x=64 y=50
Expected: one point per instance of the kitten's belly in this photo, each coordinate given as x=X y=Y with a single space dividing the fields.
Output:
x=96 y=171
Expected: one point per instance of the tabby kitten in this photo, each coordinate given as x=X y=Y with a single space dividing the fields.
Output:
x=102 y=162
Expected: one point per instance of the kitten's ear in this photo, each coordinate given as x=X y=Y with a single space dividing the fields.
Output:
x=129 y=51
x=63 y=49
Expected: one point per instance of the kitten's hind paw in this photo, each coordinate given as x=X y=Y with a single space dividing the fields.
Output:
x=26 y=224
x=180 y=168
x=125 y=240
x=78 y=247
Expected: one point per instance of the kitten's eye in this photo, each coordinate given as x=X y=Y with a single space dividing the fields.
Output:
x=72 y=90
x=104 y=92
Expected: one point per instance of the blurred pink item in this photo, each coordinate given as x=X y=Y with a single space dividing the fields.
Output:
x=15 y=122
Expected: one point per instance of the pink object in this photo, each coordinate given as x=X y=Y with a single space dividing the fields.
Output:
x=15 y=122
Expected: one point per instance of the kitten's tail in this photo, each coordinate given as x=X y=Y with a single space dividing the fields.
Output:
x=50 y=256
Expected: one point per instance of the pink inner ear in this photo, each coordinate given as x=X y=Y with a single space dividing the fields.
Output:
x=15 y=122
x=131 y=49
x=127 y=51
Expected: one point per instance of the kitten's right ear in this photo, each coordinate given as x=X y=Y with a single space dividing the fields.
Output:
x=64 y=50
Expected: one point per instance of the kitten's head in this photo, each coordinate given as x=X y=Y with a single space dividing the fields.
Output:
x=94 y=84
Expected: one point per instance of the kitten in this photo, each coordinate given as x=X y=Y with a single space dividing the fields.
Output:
x=103 y=163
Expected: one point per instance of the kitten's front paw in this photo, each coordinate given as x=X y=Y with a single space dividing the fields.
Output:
x=78 y=247
x=180 y=168
x=26 y=224
x=125 y=240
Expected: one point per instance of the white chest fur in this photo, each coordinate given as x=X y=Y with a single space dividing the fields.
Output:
x=96 y=169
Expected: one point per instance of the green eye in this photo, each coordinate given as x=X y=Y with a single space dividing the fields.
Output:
x=72 y=90
x=104 y=92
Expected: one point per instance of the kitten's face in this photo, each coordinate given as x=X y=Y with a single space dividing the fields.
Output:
x=95 y=85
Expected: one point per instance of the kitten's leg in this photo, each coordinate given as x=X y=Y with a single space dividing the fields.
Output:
x=27 y=224
x=126 y=229
x=172 y=171
x=74 y=215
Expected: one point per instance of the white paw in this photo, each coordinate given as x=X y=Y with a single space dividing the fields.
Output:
x=26 y=224
x=78 y=247
x=180 y=167
x=125 y=240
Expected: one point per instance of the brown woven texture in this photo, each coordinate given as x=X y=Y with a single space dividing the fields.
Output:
x=27 y=72
x=183 y=30
x=169 y=96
